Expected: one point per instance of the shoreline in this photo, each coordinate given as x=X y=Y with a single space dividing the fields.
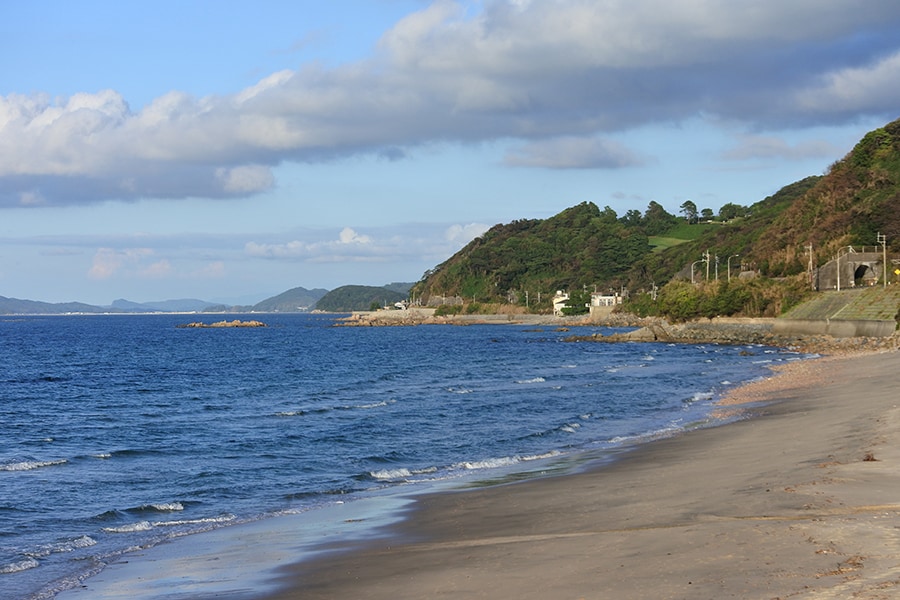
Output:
x=791 y=502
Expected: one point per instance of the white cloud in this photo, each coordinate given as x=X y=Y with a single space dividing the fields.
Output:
x=855 y=89
x=109 y=262
x=349 y=236
x=430 y=242
x=573 y=153
x=246 y=179
x=463 y=234
x=554 y=75
x=751 y=147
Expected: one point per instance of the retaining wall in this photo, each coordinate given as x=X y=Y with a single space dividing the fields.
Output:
x=834 y=327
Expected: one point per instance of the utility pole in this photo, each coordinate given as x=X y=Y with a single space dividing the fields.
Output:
x=809 y=268
x=729 y=264
x=838 y=261
x=706 y=258
x=882 y=239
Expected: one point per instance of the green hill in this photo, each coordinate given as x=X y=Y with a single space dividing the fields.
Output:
x=582 y=245
x=358 y=297
x=297 y=299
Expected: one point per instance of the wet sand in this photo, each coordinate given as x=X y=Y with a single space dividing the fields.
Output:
x=800 y=501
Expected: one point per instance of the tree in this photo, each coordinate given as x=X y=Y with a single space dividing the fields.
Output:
x=689 y=210
x=707 y=214
x=731 y=210
x=632 y=218
x=657 y=220
x=578 y=303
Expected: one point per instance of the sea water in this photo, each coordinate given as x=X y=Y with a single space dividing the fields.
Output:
x=119 y=432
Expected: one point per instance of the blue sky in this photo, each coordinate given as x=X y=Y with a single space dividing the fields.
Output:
x=230 y=150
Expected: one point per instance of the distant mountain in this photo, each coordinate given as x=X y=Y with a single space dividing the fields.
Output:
x=182 y=305
x=358 y=297
x=15 y=306
x=400 y=287
x=297 y=299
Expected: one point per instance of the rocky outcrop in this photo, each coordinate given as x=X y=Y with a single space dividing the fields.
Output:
x=235 y=323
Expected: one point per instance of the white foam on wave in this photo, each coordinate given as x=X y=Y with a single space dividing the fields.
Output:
x=203 y=521
x=84 y=541
x=388 y=474
x=570 y=427
x=375 y=404
x=18 y=566
x=167 y=506
x=130 y=528
x=459 y=390
x=700 y=396
x=401 y=473
x=532 y=380
x=148 y=525
x=29 y=465
x=506 y=461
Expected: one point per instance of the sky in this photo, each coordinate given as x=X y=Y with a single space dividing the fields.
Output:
x=229 y=151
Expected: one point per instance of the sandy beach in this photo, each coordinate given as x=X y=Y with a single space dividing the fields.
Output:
x=800 y=500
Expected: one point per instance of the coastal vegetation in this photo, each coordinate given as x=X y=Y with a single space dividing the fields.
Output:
x=754 y=260
x=359 y=297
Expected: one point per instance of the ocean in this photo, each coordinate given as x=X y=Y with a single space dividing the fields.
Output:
x=120 y=432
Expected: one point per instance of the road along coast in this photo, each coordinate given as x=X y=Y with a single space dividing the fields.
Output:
x=799 y=501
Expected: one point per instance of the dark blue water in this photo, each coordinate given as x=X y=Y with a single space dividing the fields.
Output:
x=119 y=432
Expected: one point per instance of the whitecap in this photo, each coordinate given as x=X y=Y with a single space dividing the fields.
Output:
x=130 y=528
x=375 y=404
x=533 y=380
x=22 y=565
x=488 y=463
x=204 y=521
x=389 y=474
x=84 y=541
x=698 y=396
x=28 y=465
x=167 y=506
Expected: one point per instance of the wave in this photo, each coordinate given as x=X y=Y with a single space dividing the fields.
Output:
x=16 y=567
x=160 y=507
x=313 y=411
x=532 y=380
x=130 y=528
x=400 y=474
x=78 y=543
x=29 y=465
x=699 y=396
x=505 y=461
x=150 y=525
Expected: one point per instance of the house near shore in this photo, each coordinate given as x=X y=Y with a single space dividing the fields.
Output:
x=559 y=302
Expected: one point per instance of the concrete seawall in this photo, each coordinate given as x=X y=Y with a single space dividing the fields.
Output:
x=834 y=327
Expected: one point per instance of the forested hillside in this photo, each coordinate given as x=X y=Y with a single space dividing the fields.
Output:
x=580 y=245
x=585 y=247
